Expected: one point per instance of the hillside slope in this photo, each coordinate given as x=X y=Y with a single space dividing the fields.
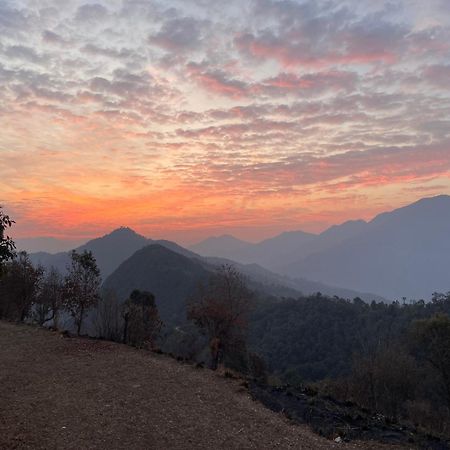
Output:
x=79 y=393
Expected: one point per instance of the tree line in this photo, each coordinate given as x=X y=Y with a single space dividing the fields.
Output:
x=46 y=297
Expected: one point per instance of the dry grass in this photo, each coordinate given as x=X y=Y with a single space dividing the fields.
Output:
x=70 y=393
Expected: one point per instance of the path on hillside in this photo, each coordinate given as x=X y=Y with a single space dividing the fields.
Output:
x=69 y=393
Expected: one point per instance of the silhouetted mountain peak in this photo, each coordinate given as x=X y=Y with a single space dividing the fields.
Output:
x=122 y=233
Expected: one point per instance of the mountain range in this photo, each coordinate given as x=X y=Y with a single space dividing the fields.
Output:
x=130 y=261
x=109 y=250
x=402 y=253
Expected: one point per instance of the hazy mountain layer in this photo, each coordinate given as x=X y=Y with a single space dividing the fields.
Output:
x=405 y=252
x=113 y=249
x=277 y=252
x=266 y=253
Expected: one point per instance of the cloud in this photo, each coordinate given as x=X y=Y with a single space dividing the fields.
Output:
x=438 y=75
x=313 y=82
x=24 y=53
x=122 y=53
x=316 y=35
x=49 y=37
x=217 y=81
x=12 y=20
x=291 y=51
x=285 y=83
x=179 y=33
x=91 y=13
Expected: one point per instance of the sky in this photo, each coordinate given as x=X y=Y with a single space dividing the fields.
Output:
x=189 y=118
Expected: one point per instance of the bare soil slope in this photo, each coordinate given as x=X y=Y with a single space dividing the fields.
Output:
x=70 y=393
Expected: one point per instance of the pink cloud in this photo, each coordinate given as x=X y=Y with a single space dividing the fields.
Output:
x=217 y=81
x=221 y=83
x=320 y=81
x=290 y=54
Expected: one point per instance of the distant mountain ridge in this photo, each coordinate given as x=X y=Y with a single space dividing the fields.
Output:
x=401 y=253
x=281 y=250
x=263 y=253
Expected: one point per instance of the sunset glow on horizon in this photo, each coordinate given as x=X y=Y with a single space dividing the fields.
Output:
x=188 y=118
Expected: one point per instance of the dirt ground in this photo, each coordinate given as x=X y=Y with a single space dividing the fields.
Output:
x=70 y=393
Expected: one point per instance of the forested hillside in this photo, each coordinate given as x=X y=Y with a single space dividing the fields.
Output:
x=317 y=337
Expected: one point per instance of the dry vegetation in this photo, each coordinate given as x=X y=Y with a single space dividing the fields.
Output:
x=75 y=393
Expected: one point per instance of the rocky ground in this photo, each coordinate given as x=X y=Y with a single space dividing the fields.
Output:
x=76 y=393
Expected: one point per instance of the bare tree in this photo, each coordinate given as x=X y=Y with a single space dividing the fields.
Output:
x=50 y=298
x=108 y=320
x=81 y=286
x=220 y=310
